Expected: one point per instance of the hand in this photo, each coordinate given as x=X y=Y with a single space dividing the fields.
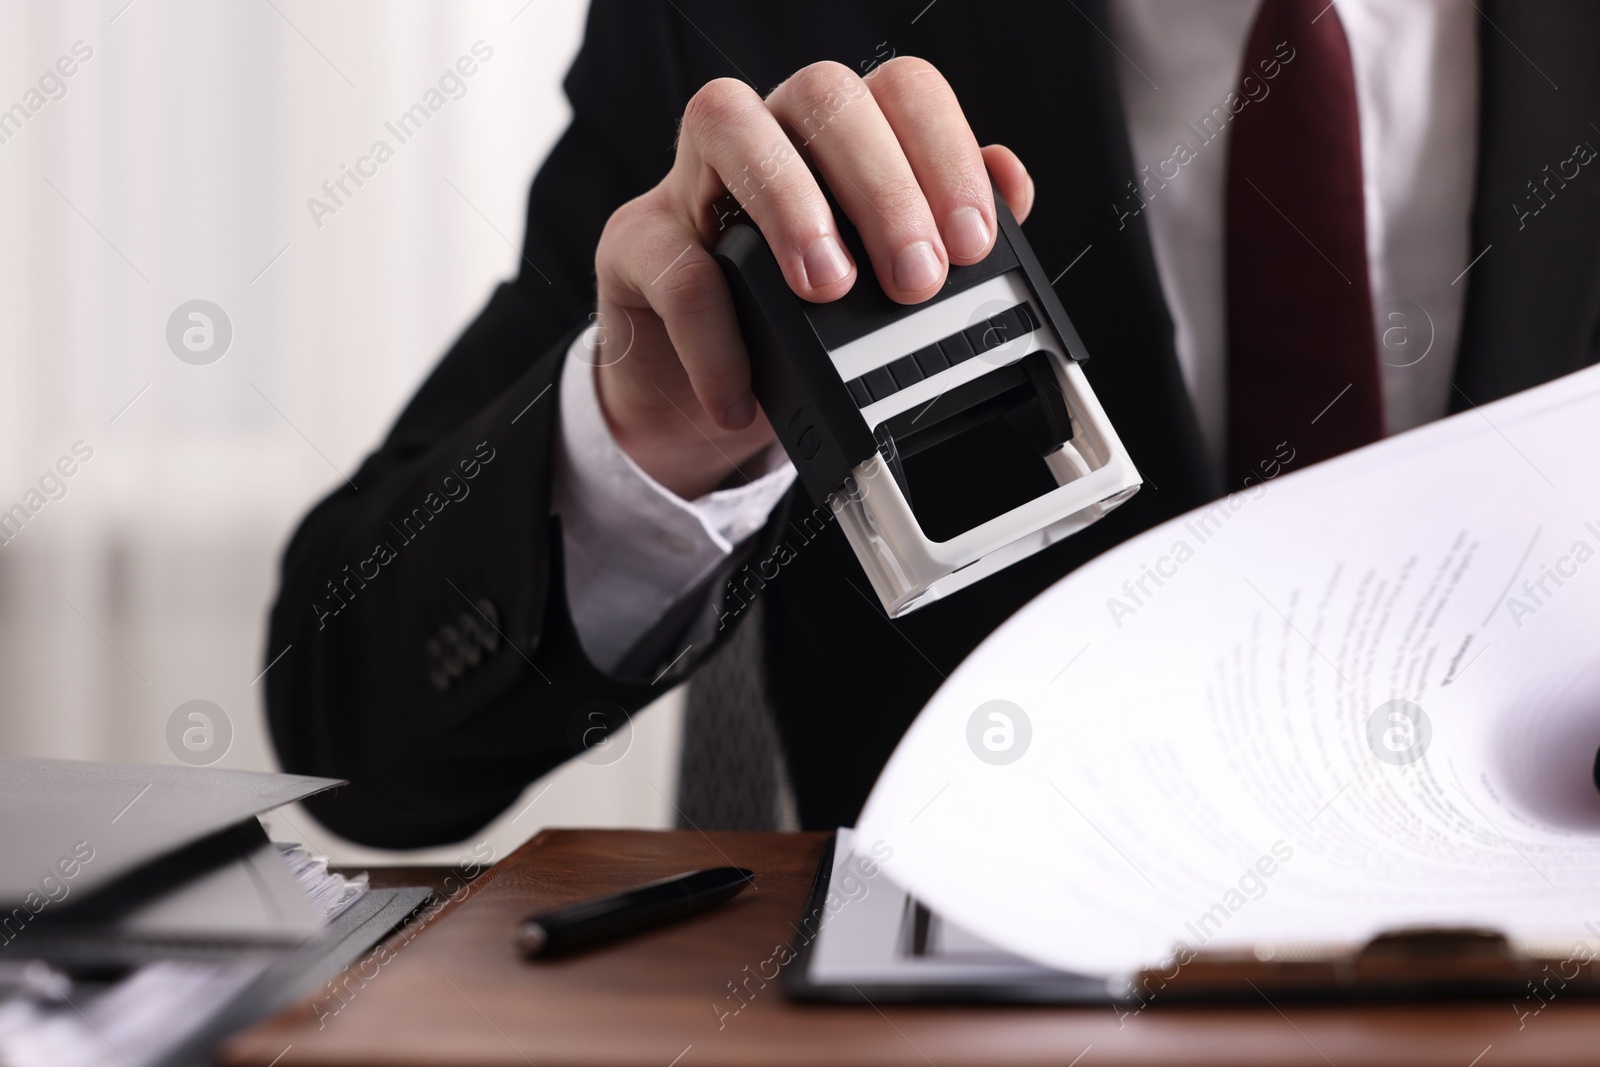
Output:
x=895 y=150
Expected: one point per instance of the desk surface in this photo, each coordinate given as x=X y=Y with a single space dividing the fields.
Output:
x=458 y=993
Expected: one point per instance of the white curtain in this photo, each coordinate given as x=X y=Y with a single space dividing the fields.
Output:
x=175 y=163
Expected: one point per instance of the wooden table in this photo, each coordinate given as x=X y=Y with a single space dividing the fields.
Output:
x=458 y=993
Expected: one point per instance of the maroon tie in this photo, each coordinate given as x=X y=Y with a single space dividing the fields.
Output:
x=1302 y=366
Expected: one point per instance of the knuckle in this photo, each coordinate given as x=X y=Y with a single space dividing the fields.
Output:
x=716 y=105
x=628 y=217
x=961 y=174
x=817 y=85
x=902 y=199
x=692 y=287
x=910 y=76
x=914 y=83
x=622 y=232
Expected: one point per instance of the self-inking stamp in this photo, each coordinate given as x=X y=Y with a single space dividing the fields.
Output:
x=973 y=402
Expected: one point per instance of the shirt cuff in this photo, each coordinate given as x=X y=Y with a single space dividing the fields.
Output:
x=634 y=548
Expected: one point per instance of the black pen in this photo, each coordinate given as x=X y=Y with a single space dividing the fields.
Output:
x=640 y=908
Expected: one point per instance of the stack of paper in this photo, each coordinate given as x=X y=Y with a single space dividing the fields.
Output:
x=142 y=905
x=1360 y=697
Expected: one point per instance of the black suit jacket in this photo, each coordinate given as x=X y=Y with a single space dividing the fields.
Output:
x=445 y=552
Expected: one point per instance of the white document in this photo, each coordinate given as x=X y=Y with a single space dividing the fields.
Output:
x=256 y=897
x=1193 y=740
x=873 y=936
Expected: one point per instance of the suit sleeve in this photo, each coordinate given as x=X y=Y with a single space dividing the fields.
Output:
x=421 y=646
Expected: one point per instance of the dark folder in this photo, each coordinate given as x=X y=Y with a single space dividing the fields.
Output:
x=73 y=826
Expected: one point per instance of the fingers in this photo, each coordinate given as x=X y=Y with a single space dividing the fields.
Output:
x=921 y=108
x=902 y=163
x=852 y=144
x=650 y=256
x=896 y=151
x=731 y=141
x=1012 y=177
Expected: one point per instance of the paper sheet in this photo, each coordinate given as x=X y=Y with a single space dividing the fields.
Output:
x=73 y=826
x=256 y=897
x=1198 y=740
x=865 y=939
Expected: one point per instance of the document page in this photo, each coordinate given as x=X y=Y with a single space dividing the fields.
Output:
x=1350 y=699
x=869 y=934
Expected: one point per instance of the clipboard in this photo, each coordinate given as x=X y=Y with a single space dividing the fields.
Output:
x=1414 y=963
x=1422 y=963
x=907 y=930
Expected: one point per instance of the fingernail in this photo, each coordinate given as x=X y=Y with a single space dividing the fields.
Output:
x=966 y=235
x=826 y=262
x=740 y=413
x=917 y=267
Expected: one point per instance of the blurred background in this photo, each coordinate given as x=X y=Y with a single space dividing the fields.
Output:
x=178 y=162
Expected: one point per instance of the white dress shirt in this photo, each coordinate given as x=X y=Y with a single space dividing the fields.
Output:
x=1416 y=72
x=633 y=548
